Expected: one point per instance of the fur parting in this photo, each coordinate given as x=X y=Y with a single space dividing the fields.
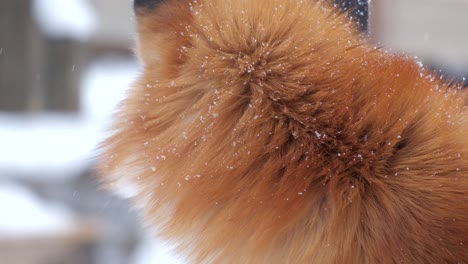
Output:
x=270 y=131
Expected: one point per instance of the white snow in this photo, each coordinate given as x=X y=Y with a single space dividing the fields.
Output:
x=49 y=145
x=104 y=85
x=25 y=214
x=74 y=19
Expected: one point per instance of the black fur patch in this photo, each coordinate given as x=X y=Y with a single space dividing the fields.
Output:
x=151 y=4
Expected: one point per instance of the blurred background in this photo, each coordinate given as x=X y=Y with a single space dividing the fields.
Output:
x=65 y=64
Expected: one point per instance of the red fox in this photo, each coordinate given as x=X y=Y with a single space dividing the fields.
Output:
x=271 y=131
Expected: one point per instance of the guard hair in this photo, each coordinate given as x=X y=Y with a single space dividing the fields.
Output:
x=271 y=131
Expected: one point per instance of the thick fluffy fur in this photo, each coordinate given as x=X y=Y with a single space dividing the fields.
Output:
x=269 y=131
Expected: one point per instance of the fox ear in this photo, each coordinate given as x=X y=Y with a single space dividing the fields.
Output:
x=146 y=4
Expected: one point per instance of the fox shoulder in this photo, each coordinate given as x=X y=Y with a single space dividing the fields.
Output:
x=270 y=131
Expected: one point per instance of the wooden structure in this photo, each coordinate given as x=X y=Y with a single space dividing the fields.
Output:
x=18 y=57
x=73 y=245
x=37 y=73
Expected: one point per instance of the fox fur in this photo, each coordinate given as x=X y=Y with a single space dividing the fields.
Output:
x=271 y=131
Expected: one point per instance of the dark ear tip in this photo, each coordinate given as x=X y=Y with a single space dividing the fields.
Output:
x=150 y=4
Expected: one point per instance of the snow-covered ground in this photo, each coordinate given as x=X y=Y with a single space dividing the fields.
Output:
x=61 y=145
x=52 y=146
x=25 y=214
x=45 y=146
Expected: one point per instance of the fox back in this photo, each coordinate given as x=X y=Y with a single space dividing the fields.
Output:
x=271 y=131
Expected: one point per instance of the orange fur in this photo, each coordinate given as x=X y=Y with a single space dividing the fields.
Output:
x=269 y=131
